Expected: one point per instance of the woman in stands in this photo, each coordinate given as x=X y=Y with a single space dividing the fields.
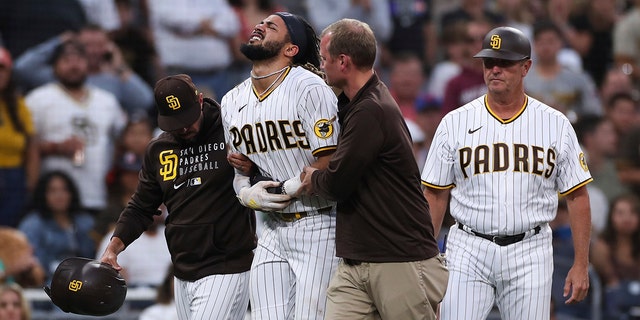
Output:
x=616 y=251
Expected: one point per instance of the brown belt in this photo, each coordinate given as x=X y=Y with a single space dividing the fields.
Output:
x=291 y=216
x=295 y=216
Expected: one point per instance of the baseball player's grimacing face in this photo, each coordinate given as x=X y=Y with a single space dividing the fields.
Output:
x=505 y=76
x=272 y=24
x=267 y=39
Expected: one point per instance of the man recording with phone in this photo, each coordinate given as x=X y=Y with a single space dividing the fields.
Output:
x=107 y=69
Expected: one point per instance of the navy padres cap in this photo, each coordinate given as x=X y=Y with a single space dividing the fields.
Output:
x=177 y=102
x=505 y=43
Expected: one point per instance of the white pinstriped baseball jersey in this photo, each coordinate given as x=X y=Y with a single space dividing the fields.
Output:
x=505 y=174
x=282 y=129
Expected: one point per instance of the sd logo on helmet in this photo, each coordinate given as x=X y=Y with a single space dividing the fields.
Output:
x=505 y=43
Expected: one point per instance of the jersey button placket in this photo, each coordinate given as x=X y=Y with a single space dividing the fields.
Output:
x=504 y=182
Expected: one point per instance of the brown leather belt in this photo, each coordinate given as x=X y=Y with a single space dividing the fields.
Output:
x=295 y=216
x=291 y=216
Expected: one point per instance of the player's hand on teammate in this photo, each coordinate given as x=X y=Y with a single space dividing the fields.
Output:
x=576 y=284
x=241 y=163
x=257 y=197
x=305 y=177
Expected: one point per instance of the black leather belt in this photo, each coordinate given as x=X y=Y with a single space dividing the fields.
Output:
x=351 y=262
x=500 y=240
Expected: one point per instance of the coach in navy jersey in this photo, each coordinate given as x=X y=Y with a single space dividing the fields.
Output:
x=209 y=234
x=503 y=158
x=390 y=267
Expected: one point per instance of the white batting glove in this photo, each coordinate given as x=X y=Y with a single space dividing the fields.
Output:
x=256 y=197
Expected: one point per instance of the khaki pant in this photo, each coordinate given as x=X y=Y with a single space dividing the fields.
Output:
x=394 y=291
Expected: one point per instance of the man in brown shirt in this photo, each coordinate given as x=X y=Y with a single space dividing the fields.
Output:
x=390 y=267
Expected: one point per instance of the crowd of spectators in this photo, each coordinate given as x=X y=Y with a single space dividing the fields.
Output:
x=76 y=108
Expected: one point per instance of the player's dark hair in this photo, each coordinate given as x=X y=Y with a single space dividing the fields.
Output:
x=311 y=58
x=312 y=51
x=610 y=234
x=352 y=38
x=315 y=70
x=301 y=33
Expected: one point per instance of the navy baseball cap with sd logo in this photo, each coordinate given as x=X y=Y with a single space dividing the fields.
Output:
x=505 y=43
x=177 y=102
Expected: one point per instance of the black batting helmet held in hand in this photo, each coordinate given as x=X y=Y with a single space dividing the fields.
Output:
x=505 y=43
x=88 y=287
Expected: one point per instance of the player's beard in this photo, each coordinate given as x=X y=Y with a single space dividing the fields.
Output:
x=186 y=140
x=261 y=52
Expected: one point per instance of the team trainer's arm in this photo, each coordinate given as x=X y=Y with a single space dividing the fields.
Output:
x=577 y=282
x=298 y=185
x=358 y=148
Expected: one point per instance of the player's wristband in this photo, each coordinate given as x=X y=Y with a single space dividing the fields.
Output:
x=258 y=177
x=282 y=188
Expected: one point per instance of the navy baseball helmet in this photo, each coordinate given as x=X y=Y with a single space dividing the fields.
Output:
x=505 y=43
x=87 y=287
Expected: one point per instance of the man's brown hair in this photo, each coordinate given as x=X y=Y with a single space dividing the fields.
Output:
x=352 y=38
